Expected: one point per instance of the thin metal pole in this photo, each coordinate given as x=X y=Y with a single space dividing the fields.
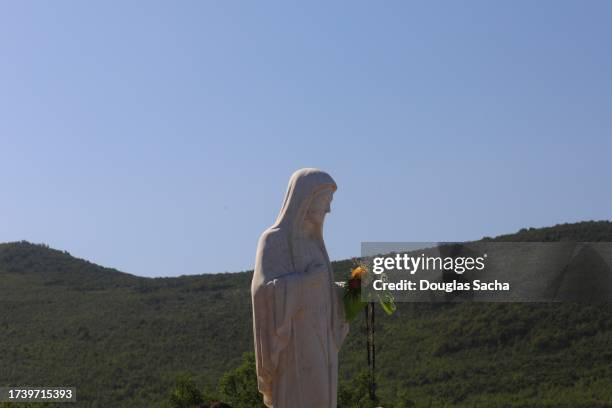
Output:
x=373 y=355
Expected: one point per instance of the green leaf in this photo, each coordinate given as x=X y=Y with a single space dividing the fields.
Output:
x=387 y=302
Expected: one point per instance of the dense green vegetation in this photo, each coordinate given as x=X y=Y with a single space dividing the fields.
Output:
x=125 y=341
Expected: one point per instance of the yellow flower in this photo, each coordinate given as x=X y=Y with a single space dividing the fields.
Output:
x=358 y=272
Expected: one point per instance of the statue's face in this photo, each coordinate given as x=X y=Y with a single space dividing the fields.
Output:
x=320 y=206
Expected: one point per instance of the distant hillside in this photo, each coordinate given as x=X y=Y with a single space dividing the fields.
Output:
x=122 y=340
x=587 y=231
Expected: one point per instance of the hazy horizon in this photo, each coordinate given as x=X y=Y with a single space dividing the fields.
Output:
x=403 y=245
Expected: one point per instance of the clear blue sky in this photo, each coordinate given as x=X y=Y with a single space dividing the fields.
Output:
x=158 y=137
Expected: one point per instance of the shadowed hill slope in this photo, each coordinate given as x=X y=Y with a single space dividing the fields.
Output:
x=122 y=340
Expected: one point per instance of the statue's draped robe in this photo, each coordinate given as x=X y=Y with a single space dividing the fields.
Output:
x=298 y=320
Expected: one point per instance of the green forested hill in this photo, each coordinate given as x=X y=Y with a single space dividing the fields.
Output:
x=122 y=340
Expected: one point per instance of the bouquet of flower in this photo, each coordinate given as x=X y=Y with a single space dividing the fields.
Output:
x=354 y=303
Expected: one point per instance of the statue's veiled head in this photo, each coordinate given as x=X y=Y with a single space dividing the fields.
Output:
x=307 y=201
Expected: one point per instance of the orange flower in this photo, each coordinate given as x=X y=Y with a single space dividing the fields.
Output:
x=358 y=272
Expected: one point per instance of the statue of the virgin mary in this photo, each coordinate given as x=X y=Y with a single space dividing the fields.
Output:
x=298 y=319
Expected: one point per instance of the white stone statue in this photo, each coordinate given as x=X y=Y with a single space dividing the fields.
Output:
x=298 y=318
